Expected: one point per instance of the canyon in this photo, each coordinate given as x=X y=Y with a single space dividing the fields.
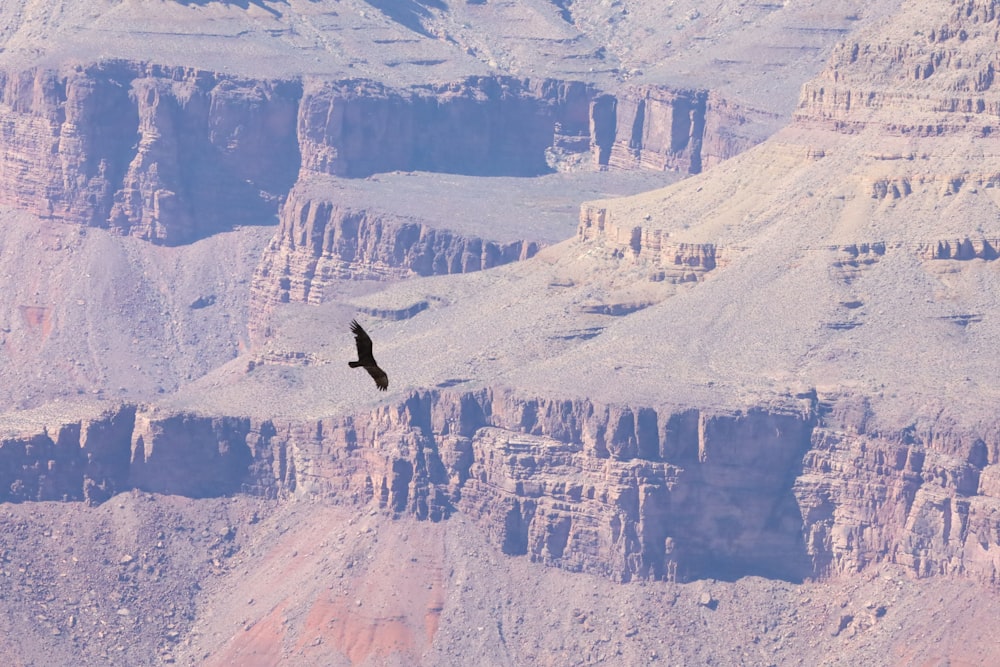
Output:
x=689 y=352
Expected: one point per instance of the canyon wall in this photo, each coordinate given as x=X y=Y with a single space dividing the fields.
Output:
x=659 y=129
x=172 y=154
x=319 y=242
x=484 y=126
x=938 y=80
x=502 y=126
x=805 y=488
x=662 y=129
x=167 y=154
x=670 y=261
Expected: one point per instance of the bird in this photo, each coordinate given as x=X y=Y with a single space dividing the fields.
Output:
x=365 y=358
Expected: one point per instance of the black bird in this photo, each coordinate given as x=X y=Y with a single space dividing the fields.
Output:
x=365 y=357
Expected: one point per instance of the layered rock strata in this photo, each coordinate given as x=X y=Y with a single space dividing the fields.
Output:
x=164 y=153
x=669 y=260
x=480 y=126
x=659 y=129
x=937 y=81
x=808 y=488
x=319 y=242
x=172 y=154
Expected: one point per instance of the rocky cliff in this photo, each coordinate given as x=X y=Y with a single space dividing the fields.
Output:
x=165 y=153
x=659 y=129
x=668 y=260
x=502 y=125
x=481 y=126
x=807 y=488
x=172 y=154
x=934 y=77
x=320 y=241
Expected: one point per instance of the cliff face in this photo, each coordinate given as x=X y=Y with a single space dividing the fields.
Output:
x=502 y=125
x=166 y=154
x=659 y=129
x=671 y=261
x=319 y=242
x=805 y=490
x=85 y=460
x=171 y=154
x=480 y=126
x=909 y=84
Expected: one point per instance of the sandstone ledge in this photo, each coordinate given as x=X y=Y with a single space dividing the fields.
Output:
x=810 y=489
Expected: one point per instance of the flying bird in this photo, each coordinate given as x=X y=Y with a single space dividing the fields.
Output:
x=365 y=357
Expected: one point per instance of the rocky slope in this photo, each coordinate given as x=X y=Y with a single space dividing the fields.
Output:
x=321 y=242
x=762 y=396
x=173 y=154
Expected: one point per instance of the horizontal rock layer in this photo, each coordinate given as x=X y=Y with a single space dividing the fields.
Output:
x=319 y=242
x=808 y=489
x=172 y=154
x=164 y=153
x=479 y=126
x=934 y=76
x=669 y=260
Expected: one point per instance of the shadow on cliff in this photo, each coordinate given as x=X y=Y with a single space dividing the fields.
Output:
x=408 y=13
x=743 y=518
x=242 y=4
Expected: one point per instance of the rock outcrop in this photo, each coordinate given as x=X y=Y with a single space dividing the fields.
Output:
x=659 y=129
x=213 y=151
x=319 y=242
x=502 y=125
x=667 y=260
x=807 y=488
x=663 y=129
x=81 y=460
x=484 y=126
x=171 y=154
x=908 y=84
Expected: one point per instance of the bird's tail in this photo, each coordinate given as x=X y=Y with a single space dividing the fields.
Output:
x=354 y=364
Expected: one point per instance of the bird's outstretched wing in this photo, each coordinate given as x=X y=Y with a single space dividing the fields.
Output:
x=364 y=344
x=366 y=357
x=381 y=379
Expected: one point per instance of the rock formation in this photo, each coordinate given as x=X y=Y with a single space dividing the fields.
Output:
x=675 y=262
x=824 y=483
x=482 y=126
x=114 y=144
x=319 y=242
x=810 y=489
x=659 y=129
x=172 y=154
x=776 y=370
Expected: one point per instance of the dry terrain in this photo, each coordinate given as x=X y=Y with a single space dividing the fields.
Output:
x=688 y=312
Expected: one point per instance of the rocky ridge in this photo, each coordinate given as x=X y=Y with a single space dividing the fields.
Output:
x=110 y=145
x=321 y=242
x=71 y=152
x=833 y=545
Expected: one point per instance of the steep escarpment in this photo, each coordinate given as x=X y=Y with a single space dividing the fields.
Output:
x=482 y=126
x=213 y=151
x=320 y=241
x=805 y=488
x=669 y=260
x=80 y=460
x=172 y=154
x=659 y=129
x=923 y=496
x=935 y=76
